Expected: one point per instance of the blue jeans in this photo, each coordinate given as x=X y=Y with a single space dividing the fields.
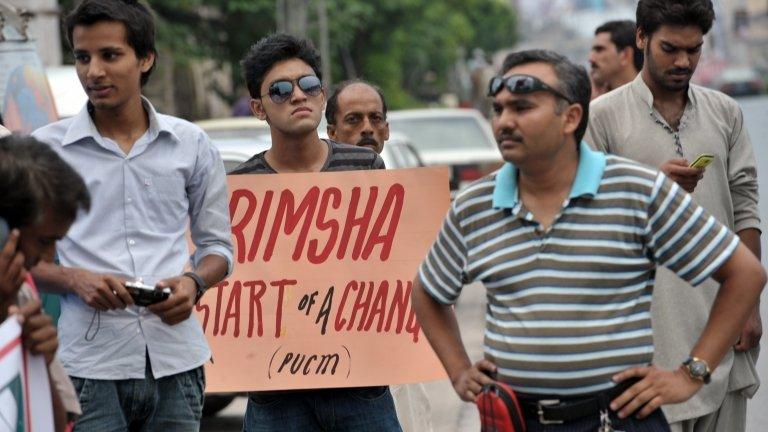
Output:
x=173 y=403
x=359 y=409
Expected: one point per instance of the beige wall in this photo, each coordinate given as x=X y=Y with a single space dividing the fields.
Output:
x=757 y=6
x=44 y=28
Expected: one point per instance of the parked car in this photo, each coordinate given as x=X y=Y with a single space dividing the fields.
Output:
x=239 y=138
x=741 y=81
x=399 y=152
x=459 y=138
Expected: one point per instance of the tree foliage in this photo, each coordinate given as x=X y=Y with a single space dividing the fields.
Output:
x=407 y=47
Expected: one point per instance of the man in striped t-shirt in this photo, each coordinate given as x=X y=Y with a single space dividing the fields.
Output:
x=566 y=241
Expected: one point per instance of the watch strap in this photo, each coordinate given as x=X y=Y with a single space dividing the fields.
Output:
x=199 y=284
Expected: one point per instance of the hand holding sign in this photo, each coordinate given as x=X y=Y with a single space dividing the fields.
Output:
x=38 y=331
x=320 y=295
x=25 y=392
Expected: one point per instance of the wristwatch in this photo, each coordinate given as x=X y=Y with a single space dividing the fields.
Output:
x=697 y=369
x=199 y=284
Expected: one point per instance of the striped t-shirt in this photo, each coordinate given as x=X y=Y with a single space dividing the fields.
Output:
x=570 y=307
x=341 y=157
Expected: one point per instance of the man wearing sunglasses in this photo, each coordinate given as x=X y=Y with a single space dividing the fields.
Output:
x=664 y=121
x=566 y=241
x=283 y=77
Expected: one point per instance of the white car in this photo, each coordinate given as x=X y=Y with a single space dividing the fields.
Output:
x=239 y=138
x=459 y=138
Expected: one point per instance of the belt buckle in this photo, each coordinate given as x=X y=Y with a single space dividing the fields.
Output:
x=540 y=410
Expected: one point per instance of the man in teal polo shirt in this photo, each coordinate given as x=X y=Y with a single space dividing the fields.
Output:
x=567 y=241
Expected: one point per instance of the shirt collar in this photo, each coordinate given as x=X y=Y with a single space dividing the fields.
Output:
x=586 y=183
x=641 y=89
x=82 y=125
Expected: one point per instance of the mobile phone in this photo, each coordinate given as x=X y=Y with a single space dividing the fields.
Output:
x=703 y=160
x=145 y=295
x=5 y=231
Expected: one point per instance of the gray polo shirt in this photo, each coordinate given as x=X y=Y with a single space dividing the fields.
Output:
x=624 y=122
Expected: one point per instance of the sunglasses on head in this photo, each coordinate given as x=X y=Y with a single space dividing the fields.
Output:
x=521 y=84
x=281 y=91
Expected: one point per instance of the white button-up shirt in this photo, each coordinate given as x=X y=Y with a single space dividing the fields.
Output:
x=142 y=204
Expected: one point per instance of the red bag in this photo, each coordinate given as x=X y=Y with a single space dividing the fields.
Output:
x=499 y=409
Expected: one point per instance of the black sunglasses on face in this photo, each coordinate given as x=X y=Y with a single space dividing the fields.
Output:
x=521 y=84
x=281 y=91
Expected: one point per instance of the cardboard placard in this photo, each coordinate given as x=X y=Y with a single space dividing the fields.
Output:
x=25 y=391
x=320 y=293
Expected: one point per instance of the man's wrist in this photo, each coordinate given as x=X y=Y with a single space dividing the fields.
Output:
x=200 y=285
x=455 y=374
x=69 y=276
x=697 y=369
x=683 y=371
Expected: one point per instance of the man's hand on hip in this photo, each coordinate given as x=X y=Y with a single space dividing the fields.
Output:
x=656 y=387
x=102 y=292
x=178 y=307
x=682 y=174
x=469 y=383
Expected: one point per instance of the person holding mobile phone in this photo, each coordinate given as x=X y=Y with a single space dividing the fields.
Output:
x=663 y=120
x=41 y=196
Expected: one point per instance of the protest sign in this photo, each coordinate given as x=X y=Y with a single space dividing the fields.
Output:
x=320 y=294
x=25 y=392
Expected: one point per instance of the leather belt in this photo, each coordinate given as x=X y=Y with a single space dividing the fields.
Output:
x=550 y=410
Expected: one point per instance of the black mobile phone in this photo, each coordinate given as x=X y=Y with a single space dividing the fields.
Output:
x=5 y=231
x=145 y=295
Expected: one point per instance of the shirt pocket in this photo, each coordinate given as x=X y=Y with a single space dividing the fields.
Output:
x=167 y=197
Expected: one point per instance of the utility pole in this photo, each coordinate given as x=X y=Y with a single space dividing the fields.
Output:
x=325 y=45
x=292 y=17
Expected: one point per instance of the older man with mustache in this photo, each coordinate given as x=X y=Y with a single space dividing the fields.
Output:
x=357 y=114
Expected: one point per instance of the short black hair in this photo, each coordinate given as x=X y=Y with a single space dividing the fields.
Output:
x=272 y=49
x=34 y=177
x=652 y=14
x=134 y=15
x=623 y=34
x=332 y=106
x=573 y=81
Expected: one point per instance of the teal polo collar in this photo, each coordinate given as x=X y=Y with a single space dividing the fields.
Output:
x=587 y=181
